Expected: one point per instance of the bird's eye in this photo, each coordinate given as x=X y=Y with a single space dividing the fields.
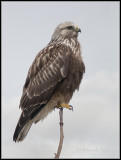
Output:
x=69 y=27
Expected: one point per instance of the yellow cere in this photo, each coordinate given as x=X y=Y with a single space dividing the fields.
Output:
x=77 y=28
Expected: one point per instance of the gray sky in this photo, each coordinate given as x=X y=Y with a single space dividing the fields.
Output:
x=92 y=129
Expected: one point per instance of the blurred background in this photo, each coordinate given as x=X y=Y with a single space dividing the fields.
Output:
x=92 y=129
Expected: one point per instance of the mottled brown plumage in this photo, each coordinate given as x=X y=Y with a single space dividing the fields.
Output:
x=52 y=79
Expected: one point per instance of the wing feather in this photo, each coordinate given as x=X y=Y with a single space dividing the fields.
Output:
x=50 y=74
x=50 y=66
x=47 y=71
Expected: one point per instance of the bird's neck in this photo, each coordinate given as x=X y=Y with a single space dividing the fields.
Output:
x=70 y=42
x=73 y=43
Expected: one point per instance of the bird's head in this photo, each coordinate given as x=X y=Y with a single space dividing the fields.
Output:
x=66 y=30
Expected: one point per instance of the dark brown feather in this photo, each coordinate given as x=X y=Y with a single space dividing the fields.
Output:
x=56 y=72
x=42 y=79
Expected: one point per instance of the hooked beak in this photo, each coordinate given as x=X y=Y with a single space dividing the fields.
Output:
x=78 y=29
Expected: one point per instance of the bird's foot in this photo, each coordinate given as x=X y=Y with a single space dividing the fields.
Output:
x=64 y=105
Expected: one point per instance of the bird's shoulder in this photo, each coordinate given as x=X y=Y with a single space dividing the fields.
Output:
x=52 y=55
x=46 y=56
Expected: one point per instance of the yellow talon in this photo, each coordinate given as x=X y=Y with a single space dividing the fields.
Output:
x=64 y=105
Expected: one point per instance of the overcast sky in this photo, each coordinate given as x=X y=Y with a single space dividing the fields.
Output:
x=92 y=129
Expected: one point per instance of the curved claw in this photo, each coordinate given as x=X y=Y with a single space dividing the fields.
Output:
x=56 y=108
x=64 y=105
x=71 y=107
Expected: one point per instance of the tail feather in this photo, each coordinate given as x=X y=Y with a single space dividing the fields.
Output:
x=28 y=116
x=21 y=131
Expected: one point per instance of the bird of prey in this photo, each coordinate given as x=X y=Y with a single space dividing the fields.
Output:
x=54 y=75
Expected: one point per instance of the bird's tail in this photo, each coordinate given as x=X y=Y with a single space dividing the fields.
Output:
x=21 y=131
